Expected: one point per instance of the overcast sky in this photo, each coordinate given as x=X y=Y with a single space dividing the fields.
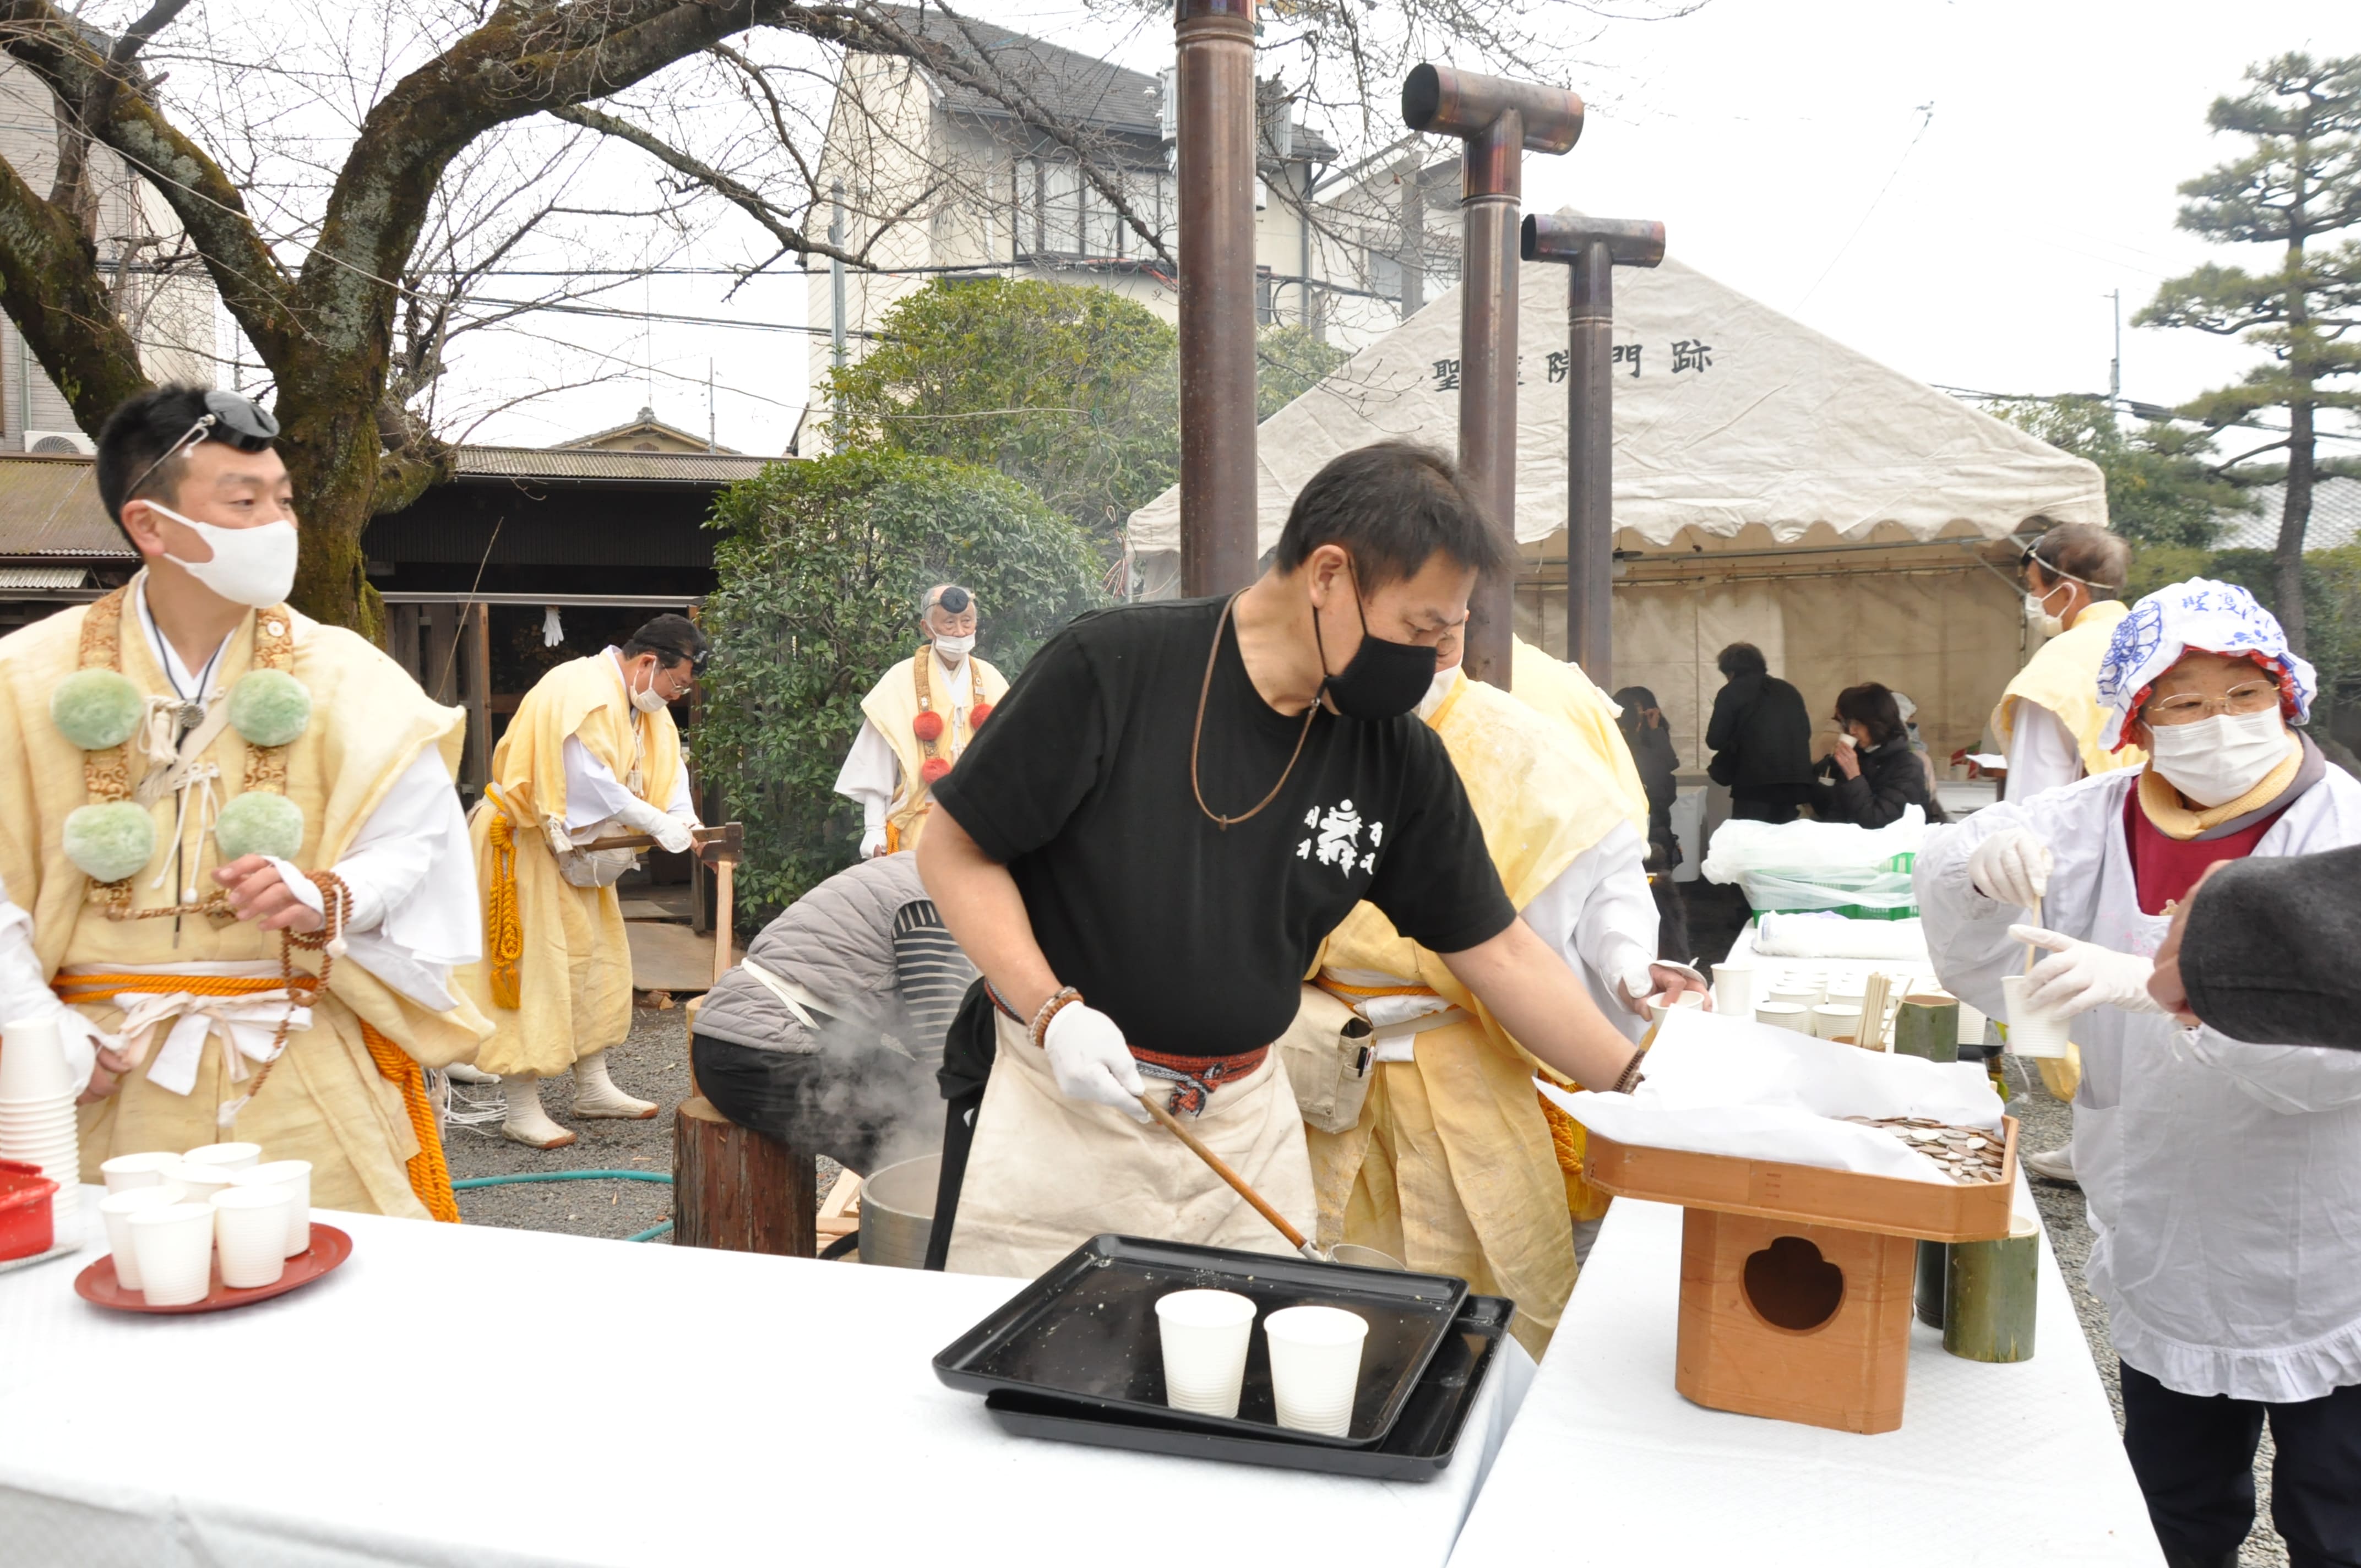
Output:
x=1788 y=146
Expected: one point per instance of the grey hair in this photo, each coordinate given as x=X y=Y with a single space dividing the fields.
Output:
x=927 y=600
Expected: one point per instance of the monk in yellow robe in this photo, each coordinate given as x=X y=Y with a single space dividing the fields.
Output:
x=1457 y=1166
x=2049 y=720
x=916 y=722
x=195 y=774
x=592 y=754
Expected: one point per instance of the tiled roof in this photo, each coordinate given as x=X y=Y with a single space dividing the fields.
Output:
x=2336 y=517
x=595 y=464
x=50 y=507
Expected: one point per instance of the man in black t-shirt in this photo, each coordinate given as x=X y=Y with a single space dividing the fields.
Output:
x=1171 y=808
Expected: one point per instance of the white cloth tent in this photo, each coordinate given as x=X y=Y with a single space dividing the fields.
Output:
x=1771 y=485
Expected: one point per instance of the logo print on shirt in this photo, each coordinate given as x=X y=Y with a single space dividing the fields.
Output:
x=1339 y=839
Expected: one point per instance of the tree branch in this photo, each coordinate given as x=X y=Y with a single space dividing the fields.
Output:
x=743 y=197
x=51 y=289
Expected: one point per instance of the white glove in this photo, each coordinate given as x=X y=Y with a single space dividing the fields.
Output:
x=2078 y=976
x=2012 y=867
x=669 y=831
x=872 y=843
x=1090 y=1062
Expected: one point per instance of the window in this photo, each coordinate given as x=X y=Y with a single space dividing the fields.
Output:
x=1062 y=208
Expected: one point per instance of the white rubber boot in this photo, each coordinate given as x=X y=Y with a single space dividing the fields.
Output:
x=2056 y=1165
x=527 y=1122
x=595 y=1093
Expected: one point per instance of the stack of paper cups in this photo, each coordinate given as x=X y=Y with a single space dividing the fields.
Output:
x=1734 y=990
x=37 y=1115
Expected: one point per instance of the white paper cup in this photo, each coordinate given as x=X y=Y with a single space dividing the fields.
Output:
x=2031 y=1034
x=1733 y=989
x=174 y=1246
x=1785 y=1016
x=126 y=1172
x=33 y=1061
x=1830 y=1019
x=295 y=1175
x=1315 y=1366
x=1206 y=1334
x=116 y=1209
x=1797 y=991
x=1658 y=1007
x=229 y=1157
x=202 y=1180
x=250 y=1228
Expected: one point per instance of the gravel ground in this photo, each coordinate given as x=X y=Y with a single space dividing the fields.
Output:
x=2046 y=1124
x=651 y=1064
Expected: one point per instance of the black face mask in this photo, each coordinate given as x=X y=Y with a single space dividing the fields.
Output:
x=1383 y=680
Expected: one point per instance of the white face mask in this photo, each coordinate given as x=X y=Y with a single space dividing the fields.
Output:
x=2036 y=612
x=954 y=649
x=2219 y=759
x=250 y=566
x=648 y=699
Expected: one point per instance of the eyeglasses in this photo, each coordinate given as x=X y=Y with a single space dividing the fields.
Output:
x=226 y=409
x=2246 y=697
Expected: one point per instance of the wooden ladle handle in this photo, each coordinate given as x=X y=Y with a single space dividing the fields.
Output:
x=1220 y=1168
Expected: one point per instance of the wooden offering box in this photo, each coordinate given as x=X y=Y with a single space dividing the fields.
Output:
x=1795 y=1280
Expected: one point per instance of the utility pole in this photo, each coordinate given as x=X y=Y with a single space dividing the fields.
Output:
x=2115 y=366
x=836 y=298
x=1214 y=116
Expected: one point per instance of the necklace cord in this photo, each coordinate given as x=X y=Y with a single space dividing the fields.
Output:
x=1197 y=734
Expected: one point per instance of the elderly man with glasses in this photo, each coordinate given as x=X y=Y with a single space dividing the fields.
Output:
x=917 y=721
x=2223 y=1175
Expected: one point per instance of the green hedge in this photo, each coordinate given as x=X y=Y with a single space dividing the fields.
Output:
x=820 y=580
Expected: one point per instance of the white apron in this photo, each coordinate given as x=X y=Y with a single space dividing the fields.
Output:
x=2223 y=1178
x=1046 y=1173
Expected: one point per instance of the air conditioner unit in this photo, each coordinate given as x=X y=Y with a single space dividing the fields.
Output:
x=58 y=443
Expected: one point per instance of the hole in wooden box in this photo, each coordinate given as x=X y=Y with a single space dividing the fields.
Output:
x=1790 y=1286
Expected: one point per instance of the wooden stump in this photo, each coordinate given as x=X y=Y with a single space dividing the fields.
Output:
x=738 y=1191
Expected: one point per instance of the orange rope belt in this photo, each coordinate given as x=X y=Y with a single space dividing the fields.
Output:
x=503 y=924
x=430 y=1177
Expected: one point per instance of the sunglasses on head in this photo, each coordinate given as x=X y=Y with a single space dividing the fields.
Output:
x=223 y=409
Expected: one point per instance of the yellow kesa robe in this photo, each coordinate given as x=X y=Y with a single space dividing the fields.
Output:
x=1452 y=1168
x=574 y=971
x=1565 y=693
x=2063 y=677
x=891 y=705
x=326 y=1100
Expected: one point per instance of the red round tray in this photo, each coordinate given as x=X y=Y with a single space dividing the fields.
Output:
x=330 y=1246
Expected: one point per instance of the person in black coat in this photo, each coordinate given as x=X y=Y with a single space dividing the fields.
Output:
x=1761 y=735
x=1650 y=736
x=1873 y=776
x=1650 y=739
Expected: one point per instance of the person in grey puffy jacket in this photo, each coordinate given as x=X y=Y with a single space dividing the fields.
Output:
x=827 y=1035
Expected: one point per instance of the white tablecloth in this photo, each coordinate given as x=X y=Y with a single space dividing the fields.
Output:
x=462 y=1395
x=1992 y=1467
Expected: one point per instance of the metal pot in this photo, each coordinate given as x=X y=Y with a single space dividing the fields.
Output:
x=898 y=1212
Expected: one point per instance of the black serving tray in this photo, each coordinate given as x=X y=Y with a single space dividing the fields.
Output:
x=1419 y=1448
x=1084 y=1333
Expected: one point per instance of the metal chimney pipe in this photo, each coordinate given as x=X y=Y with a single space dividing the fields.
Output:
x=1499 y=121
x=1591 y=248
x=1214 y=80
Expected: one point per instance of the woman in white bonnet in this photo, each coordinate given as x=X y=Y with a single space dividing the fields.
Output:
x=2223 y=1177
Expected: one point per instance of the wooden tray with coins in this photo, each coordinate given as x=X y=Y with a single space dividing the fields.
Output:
x=1971 y=1207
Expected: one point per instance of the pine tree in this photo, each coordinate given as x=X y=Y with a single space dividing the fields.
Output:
x=2299 y=186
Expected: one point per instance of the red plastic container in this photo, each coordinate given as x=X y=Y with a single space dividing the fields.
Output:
x=26 y=1223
